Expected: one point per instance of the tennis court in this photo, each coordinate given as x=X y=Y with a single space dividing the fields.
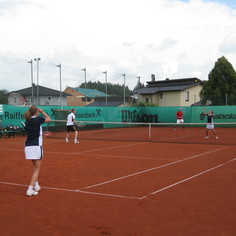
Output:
x=178 y=183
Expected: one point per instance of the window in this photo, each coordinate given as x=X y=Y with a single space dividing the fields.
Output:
x=49 y=98
x=147 y=99
x=86 y=99
x=187 y=96
x=161 y=95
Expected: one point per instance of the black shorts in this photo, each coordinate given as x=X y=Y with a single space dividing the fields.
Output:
x=70 y=128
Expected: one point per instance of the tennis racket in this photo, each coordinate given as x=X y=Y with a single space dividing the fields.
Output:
x=208 y=103
x=81 y=124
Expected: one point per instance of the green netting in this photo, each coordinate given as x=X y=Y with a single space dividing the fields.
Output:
x=13 y=115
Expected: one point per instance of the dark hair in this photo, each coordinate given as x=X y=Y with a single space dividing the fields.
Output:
x=73 y=109
x=30 y=112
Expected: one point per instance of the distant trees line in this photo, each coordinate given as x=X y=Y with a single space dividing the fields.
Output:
x=3 y=96
x=112 y=89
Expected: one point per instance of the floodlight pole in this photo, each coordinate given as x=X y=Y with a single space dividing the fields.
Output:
x=85 y=75
x=138 y=77
x=32 y=81
x=84 y=69
x=124 y=86
x=105 y=72
x=37 y=59
x=61 y=104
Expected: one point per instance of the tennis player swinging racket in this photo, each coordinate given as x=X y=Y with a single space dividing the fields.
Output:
x=70 y=125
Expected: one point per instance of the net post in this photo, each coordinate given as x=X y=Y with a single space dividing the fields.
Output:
x=149 y=131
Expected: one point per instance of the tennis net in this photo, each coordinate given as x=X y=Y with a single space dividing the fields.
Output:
x=148 y=132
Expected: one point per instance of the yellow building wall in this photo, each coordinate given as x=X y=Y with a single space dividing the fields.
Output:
x=194 y=96
x=169 y=99
x=174 y=98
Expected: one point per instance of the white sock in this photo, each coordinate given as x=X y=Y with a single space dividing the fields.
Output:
x=30 y=187
x=36 y=184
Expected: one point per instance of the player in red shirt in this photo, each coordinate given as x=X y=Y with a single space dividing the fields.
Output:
x=180 y=117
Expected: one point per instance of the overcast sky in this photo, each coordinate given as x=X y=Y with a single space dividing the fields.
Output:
x=169 y=38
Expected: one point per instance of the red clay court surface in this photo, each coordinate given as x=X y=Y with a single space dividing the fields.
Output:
x=121 y=188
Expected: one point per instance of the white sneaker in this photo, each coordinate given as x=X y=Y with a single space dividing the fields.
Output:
x=76 y=141
x=207 y=137
x=37 y=188
x=31 y=192
x=66 y=141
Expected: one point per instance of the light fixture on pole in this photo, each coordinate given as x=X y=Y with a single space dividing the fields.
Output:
x=124 y=86
x=84 y=69
x=138 y=77
x=105 y=72
x=32 y=81
x=61 y=104
x=139 y=85
x=85 y=86
x=37 y=59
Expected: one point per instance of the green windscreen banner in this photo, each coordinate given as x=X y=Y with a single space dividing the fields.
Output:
x=14 y=115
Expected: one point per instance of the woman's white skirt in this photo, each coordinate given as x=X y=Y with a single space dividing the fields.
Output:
x=33 y=152
x=210 y=126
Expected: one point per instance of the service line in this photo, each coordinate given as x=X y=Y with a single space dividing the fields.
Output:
x=151 y=169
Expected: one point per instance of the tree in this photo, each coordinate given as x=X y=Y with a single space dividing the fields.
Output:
x=220 y=88
x=3 y=96
x=112 y=89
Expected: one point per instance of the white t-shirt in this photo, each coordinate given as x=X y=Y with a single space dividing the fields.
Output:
x=70 y=119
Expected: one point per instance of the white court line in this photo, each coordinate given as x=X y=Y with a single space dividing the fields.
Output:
x=110 y=195
x=99 y=149
x=109 y=156
x=129 y=197
x=130 y=157
x=75 y=191
x=87 y=151
x=174 y=138
x=184 y=180
x=151 y=169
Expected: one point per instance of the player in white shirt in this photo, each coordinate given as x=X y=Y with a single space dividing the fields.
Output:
x=70 y=125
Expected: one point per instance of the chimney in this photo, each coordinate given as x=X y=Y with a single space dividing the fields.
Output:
x=153 y=77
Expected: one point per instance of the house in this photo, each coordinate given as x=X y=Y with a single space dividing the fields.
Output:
x=171 y=92
x=82 y=96
x=111 y=101
x=41 y=96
